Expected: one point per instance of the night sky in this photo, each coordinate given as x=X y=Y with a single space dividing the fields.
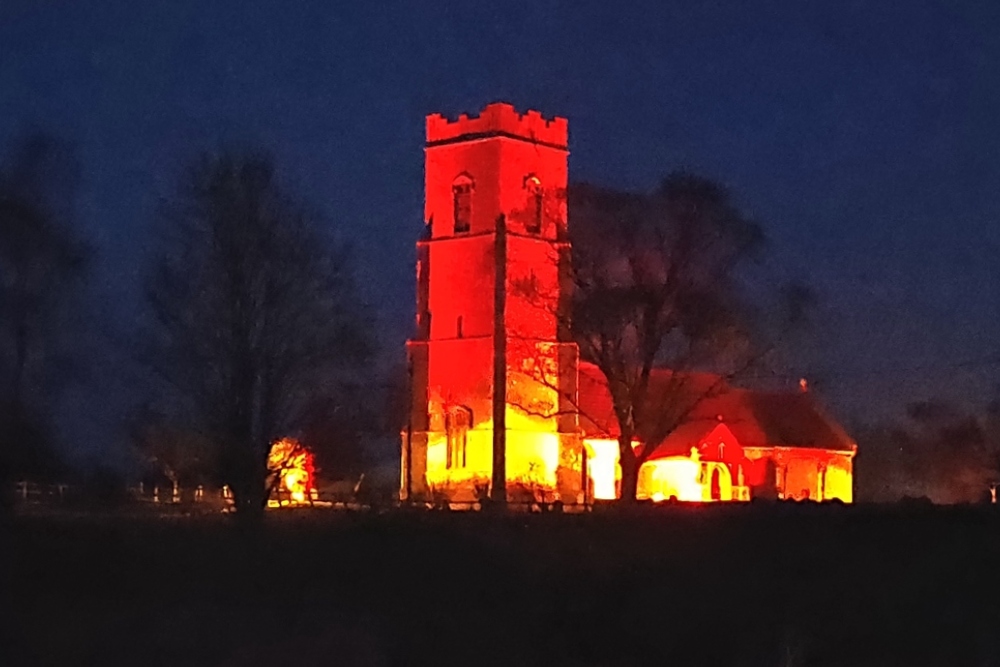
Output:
x=865 y=135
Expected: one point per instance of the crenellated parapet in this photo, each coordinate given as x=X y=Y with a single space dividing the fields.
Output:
x=499 y=119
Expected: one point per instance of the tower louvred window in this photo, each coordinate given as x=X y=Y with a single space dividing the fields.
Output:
x=457 y=423
x=534 y=205
x=462 y=198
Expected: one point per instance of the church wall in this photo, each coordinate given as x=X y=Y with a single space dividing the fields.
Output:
x=570 y=478
x=801 y=478
x=414 y=454
x=603 y=472
x=839 y=481
x=479 y=160
x=461 y=286
x=413 y=470
x=814 y=474
x=755 y=471
x=674 y=477
x=548 y=166
x=532 y=288
x=460 y=374
x=533 y=461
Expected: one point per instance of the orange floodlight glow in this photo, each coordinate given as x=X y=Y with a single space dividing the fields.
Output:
x=293 y=465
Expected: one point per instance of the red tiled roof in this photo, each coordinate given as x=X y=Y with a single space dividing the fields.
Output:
x=756 y=418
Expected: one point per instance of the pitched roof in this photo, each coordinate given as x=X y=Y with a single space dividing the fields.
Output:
x=756 y=418
x=682 y=439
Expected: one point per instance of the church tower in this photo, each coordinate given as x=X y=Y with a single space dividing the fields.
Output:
x=490 y=270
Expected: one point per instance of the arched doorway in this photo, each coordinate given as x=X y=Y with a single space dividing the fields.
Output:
x=716 y=484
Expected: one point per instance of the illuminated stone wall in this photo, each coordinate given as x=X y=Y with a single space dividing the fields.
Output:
x=513 y=166
x=799 y=473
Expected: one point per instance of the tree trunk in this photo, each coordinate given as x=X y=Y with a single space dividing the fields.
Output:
x=250 y=503
x=629 y=463
x=247 y=477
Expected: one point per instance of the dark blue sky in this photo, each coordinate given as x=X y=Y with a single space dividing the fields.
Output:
x=865 y=135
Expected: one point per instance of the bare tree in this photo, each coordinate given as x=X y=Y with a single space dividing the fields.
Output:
x=335 y=424
x=180 y=455
x=42 y=272
x=948 y=453
x=655 y=286
x=652 y=291
x=256 y=317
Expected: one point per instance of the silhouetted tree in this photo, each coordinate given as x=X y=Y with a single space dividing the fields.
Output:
x=949 y=454
x=42 y=271
x=334 y=426
x=256 y=317
x=395 y=410
x=171 y=451
x=880 y=469
x=654 y=293
x=654 y=280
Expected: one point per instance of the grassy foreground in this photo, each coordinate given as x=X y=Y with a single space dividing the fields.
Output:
x=778 y=585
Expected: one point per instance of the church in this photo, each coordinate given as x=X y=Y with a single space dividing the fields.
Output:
x=496 y=220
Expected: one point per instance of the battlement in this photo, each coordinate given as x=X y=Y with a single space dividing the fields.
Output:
x=499 y=119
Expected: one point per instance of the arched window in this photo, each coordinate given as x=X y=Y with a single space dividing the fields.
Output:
x=461 y=192
x=715 y=488
x=457 y=422
x=534 y=208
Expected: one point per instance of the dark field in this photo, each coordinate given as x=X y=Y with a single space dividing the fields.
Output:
x=780 y=585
